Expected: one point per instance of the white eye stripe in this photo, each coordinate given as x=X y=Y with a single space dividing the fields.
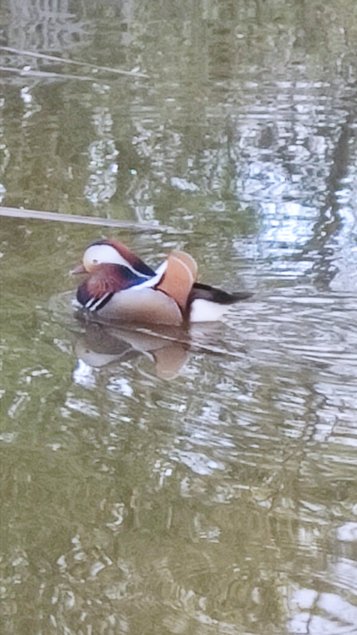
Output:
x=106 y=254
x=102 y=254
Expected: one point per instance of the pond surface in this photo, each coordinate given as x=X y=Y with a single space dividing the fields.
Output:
x=204 y=482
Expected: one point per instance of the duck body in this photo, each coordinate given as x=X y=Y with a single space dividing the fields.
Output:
x=144 y=305
x=120 y=286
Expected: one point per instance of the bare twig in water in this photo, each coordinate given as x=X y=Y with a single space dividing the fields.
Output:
x=15 y=212
x=56 y=58
x=29 y=72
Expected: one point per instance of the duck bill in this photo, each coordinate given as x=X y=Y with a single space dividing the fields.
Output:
x=79 y=269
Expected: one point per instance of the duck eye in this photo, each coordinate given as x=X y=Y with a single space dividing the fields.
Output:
x=95 y=261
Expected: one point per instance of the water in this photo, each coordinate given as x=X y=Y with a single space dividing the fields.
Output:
x=170 y=481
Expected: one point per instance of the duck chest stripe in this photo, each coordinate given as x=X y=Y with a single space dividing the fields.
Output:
x=95 y=304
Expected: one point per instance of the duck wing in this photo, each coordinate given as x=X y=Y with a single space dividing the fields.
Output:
x=178 y=278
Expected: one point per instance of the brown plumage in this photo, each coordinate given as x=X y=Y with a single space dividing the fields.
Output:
x=179 y=278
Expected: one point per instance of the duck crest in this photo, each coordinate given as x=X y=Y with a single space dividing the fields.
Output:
x=132 y=259
x=179 y=277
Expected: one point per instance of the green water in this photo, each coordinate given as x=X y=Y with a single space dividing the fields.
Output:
x=172 y=482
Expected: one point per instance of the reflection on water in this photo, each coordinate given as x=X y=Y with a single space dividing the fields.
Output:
x=102 y=345
x=198 y=482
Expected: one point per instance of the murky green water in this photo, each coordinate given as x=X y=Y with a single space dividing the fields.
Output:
x=151 y=484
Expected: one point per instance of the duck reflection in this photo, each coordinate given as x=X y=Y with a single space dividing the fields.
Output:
x=168 y=348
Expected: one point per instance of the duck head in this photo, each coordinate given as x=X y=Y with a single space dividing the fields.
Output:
x=113 y=252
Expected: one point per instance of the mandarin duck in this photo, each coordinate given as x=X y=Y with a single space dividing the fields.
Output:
x=120 y=286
